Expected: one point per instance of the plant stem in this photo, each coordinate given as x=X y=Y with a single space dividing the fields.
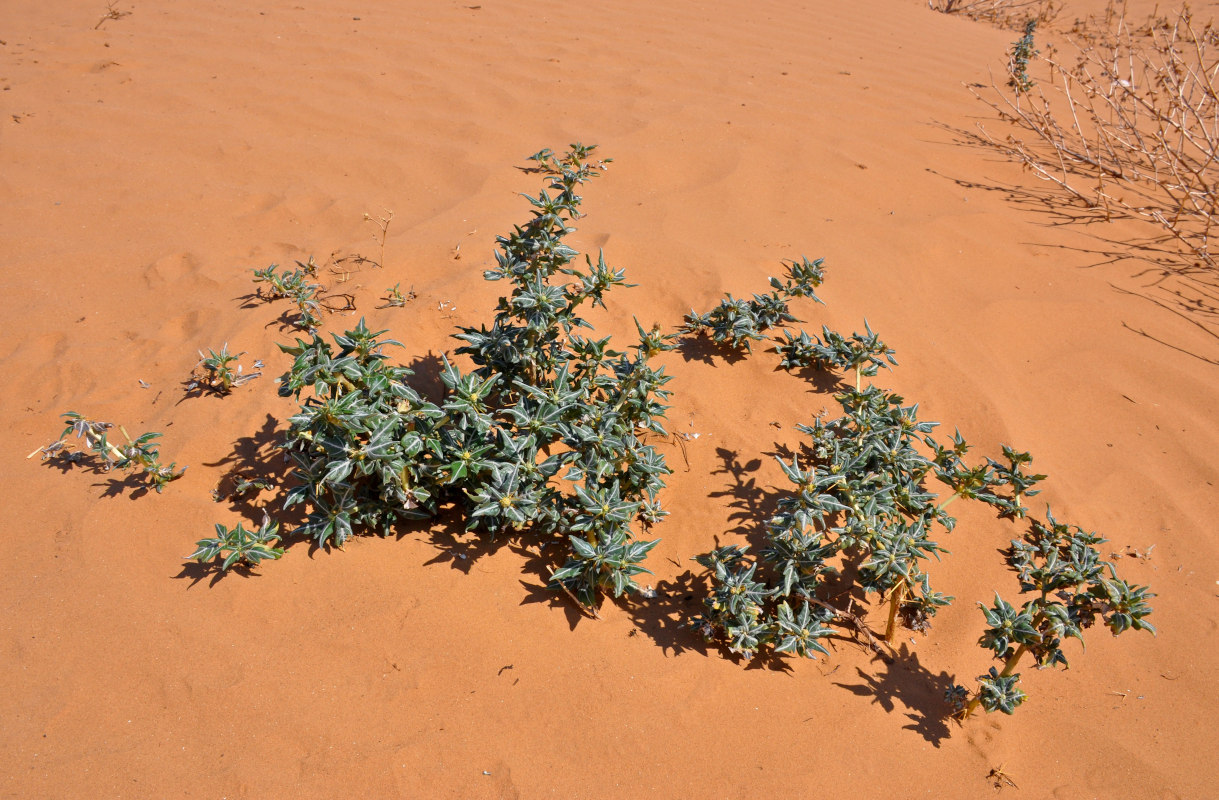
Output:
x=950 y=498
x=895 y=601
x=1008 y=668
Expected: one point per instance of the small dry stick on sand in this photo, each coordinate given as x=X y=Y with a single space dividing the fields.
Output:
x=999 y=778
x=383 y=224
x=111 y=13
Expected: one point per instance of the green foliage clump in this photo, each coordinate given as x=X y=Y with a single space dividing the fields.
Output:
x=748 y=614
x=862 y=498
x=140 y=454
x=545 y=434
x=1023 y=51
x=297 y=287
x=215 y=372
x=738 y=323
x=240 y=546
x=863 y=353
x=1071 y=588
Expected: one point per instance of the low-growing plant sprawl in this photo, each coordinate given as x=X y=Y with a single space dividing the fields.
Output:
x=544 y=436
x=141 y=454
x=544 y=433
x=861 y=497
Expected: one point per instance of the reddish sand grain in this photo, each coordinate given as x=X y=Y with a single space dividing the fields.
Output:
x=148 y=164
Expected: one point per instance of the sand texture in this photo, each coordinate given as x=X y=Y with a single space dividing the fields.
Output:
x=149 y=163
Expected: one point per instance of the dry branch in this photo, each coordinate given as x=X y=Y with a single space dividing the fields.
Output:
x=1004 y=13
x=1130 y=129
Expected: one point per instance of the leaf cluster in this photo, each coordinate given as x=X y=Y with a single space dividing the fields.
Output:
x=862 y=497
x=546 y=433
x=1023 y=51
x=140 y=454
x=215 y=371
x=1071 y=587
x=296 y=285
x=239 y=545
x=738 y=323
x=863 y=353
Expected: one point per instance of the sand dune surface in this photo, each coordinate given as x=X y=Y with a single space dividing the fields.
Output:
x=152 y=160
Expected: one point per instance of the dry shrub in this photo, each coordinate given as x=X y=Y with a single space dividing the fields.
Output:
x=1004 y=13
x=1128 y=130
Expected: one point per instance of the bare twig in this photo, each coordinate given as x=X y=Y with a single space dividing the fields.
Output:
x=111 y=13
x=1005 y=13
x=1141 y=140
x=857 y=624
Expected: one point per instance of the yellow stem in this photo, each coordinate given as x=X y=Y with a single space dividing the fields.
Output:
x=895 y=601
x=1008 y=669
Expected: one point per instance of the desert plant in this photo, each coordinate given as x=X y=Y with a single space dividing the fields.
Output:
x=1072 y=588
x=862 y=497
x=545 y=435
x=1018 y=59
x=1005 y=13
x=738 y=323
x=394 y=298
x=215 y=372
x=296 y=286
x=139 y=454
x=382 y=224
x=237 y=545
x=864 y=354
x=1132 y=131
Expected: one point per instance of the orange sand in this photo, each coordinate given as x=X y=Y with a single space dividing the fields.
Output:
x=148 y=165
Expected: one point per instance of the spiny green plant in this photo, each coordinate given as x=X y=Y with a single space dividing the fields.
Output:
x=862 y=497
x=865 y=354
x=215 y=372
x=139 y=454
x=546 y=435
x=237 y=545
x=1023 y=51
x=394 y=297
x=296 y=286
x=738 y=323
x=1071 y=587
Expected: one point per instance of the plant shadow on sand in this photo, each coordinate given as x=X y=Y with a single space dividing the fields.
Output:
x=117 y=483
x=694 y=347
x=1173 y=281
x=919 y=691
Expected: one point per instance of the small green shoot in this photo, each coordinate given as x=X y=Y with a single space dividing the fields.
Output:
x=1022 y=52
x=395 y=298
x=295 y=285
x=215 y=371
x=237 y=545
